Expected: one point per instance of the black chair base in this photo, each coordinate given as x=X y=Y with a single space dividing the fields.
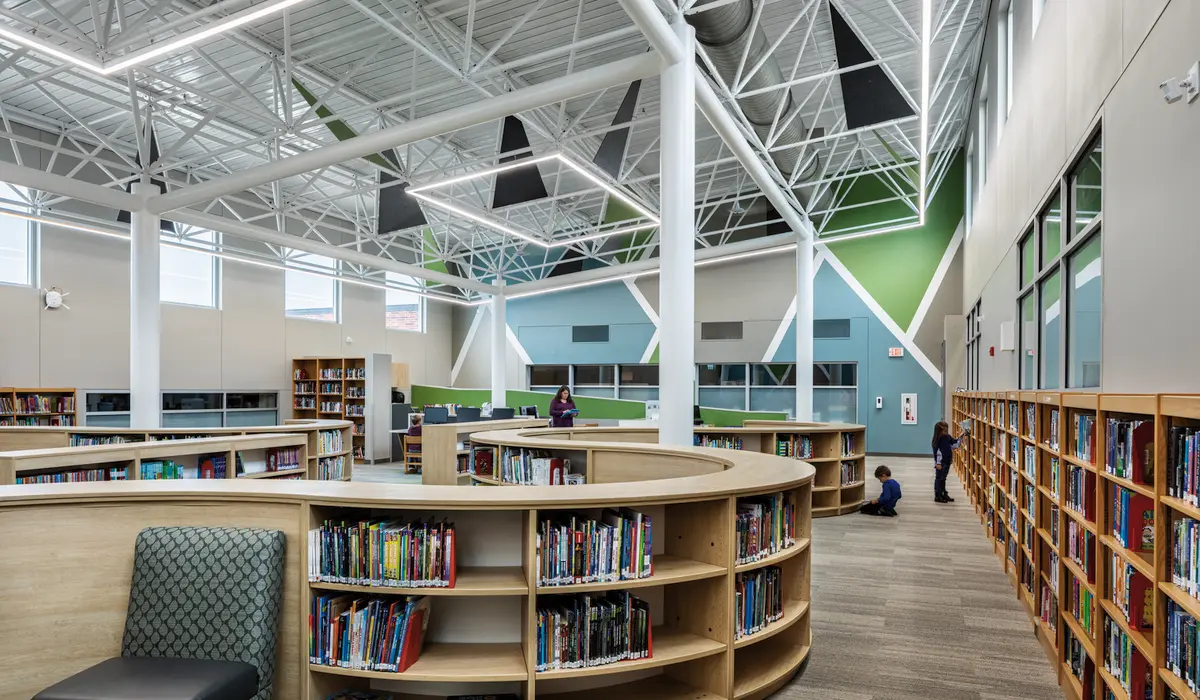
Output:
x=150 y=678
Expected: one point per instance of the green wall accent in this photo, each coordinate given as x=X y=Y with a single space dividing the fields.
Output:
x=616 y=211
x=589 y=406
x=725 y=418
x=897 y=268
x=340 y=129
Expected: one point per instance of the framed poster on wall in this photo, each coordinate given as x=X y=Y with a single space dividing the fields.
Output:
x=908 y=409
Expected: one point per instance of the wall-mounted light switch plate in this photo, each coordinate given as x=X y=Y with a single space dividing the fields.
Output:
x=1193 y=81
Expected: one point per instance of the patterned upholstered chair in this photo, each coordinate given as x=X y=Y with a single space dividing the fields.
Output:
x=202 y=620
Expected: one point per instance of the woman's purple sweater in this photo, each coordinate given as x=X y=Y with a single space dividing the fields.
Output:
x=557 y=409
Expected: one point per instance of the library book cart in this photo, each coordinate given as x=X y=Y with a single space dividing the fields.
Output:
x=327 y=442
x=1090 y=501
x=836 y=451
x=69 y=549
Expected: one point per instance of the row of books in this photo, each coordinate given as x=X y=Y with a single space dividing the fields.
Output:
x=1048 y=611
x=1183 y=464
x=727 y=442
x=1126 y=664
x=162 y=469
x=1030 y=421
x=1054 y=471
x=331 y=407
x=378 y=552
x=1185 y=555
x=38 y=403
x=331 y=468
x=1081 y=548
x=299 y=373
x=1078 y=662
x=44 y=421
x=1053 y=438
x=331 y=388
x=359 y=453
x=765 y=525
x=356 y=392
x=798 y=446
x=1081 y=490
x=1029 y=466
x=758 y=600
x=535 y=467
x=334 y=373
x=356 y=373
x=1132 y=593
x=382 y=634
x=304 y=388
x=1080 y=603
x=1129 y=449
x=1133 y=520
x=329 y=441
x=1014 y=451
x=92 y=440
x=1054 y=524
x=1183 y=647
x=851 y=473
x=75 y=476
x=304 y=403
x=583 y=631
x=1085 y=437
x=575 y=549
x=356 y=410
x=849 y=442
x=283 y=458
x=1013 y=416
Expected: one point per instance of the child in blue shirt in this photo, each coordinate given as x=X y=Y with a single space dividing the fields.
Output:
x=886 y=503
x=944 y=446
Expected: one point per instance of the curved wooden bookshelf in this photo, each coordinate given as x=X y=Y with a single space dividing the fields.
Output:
x=482 y=631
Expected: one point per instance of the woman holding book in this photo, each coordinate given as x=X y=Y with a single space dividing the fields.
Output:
x=562 y=409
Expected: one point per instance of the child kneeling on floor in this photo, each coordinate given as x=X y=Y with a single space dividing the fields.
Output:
x=886 y=503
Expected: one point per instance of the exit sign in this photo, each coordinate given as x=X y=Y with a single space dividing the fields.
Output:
x=895 y=352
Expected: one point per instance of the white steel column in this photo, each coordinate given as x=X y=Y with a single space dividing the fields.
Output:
x=499 y=351
x=145 y=337
x=804 y=327
x=677 y=239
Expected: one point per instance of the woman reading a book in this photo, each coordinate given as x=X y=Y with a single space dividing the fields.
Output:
x=562 y=409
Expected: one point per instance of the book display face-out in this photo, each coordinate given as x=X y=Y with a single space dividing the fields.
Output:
x=687 y=587
x=1115 y=569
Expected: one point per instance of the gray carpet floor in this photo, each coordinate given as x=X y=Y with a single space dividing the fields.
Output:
x=909 y=608
x=916 y=607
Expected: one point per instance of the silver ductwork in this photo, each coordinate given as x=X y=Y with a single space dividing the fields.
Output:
x=725 y=33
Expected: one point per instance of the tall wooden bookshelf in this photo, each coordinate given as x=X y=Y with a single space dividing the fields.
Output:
x=357 y=389
x=1084 y=566
x=33 y=407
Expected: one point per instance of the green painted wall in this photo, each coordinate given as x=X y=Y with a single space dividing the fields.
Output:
x=589 y=406
x=896 y=269
x=724 y=418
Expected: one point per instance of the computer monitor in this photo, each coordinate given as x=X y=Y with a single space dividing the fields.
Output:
x=697 y=419
x=503 y=413
x=436 y=415
x=530 y=411
x=467 y=414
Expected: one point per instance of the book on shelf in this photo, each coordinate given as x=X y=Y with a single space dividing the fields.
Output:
x=299 y=373
x=331 y=468
x=588 y=630
x=1029 y=465
x=1183 y=647
x=798 y=446
x=212 y=466
x=758 y=600
x=1052 y=438
x=329 y=441
x=727 y=442
x=1125 y=663
x=331 y=407
x=850 y=473
x=367 y=633
x=765 y=525
x=304 y=388
x=331 y=373
x=1133 y=520
x=1132 y=593
x=304 y=403
x=1183 y=464
x=1129 y=450
x=283 y=458
x=1085 y=437
x=1081 y=490
x=1081 y=548
x=849 y=441
x=386 y=553
x=356 y=373
x=1185 y=555
x=1054 y=524
x=1030 y=420
x=77 y=440
x=534 y=467
x=1013 y=416
x=1078 y=662
x=40 y=403
x=75 y=476
x=482 y=461
x=1048 y=606
x=573 y=549
x=1054 y=472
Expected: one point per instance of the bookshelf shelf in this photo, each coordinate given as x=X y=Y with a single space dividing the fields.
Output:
x=1181 y=597
x=760 y=665
x=273 y=475
x=466 y=663
x=1112 y=685
x=1147 y=491
x=1144 y=644
x=472 y=581
x=793 y=611
x=1181 y=506
x=671 y=646
x=1084 y=638
x=667 y=570
x=654 y=688
x=1177 y=684
x=1142 y=561
x=1072 y=459
x=1079 y=518
x=776 y=558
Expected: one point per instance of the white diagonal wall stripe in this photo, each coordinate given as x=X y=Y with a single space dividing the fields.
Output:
x=790 y=315
x=936 y=283
x=883 y=316
x=650 y=314
x=516 y=345
x=466 y=346
x=650 y=348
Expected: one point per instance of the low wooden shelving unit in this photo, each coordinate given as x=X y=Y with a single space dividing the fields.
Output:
x=482 y=632
x=1099 y=608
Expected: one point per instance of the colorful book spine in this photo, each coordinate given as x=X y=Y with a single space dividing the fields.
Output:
x=849 y=443
x=283 y=458
x=1080 y=603
x=536 y=468
x=1081 y=490
x=758 y=600
x=1133 y=520
x=1183 y=464
x=1030 y=421
x=765 y=525
x=573 y=549
x=388 y=553
x=1185 y=555
x=1085 y=437
x=1029 y=464
x=725 y=442
x=381 y=634
x=329 y=441
x=1081 y=547
x=1183 y=647
x=1078 y=663
x=1124 y=662
x=1129 y=449
x=851 y=473
x=585 y=631
x=1054 y=476
x=1052 y=438
x=331 y=468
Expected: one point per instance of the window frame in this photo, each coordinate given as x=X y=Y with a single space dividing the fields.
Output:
x=421 y=300
x=332 y=276
x=215 y=260
x=32 y=238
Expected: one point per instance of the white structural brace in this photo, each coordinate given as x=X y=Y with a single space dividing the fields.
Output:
x=564 y=88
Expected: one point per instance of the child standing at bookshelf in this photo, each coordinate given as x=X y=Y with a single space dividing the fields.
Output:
x=890 y=495
x=943 y=458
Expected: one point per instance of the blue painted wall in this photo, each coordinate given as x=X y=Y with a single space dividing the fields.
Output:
x=543 y=325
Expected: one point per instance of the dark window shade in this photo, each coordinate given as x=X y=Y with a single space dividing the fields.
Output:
x=721 y=330
x=589 y=334
x=835 y=374
x=831 y=328
x=549 y=375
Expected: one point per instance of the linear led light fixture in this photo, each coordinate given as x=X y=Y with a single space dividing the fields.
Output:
x=926 y=21
x=181 y=41
x=421 y=192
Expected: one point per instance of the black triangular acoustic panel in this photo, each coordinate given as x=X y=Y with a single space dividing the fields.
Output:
x=519 y=185
x=869 y=96
x=611 y=153
x=123 y=216
x=398 y=209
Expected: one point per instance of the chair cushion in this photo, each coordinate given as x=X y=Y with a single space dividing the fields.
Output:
x=154 y=678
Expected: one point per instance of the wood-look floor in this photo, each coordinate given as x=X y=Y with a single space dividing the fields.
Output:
x=916 y=607
x=909 y=608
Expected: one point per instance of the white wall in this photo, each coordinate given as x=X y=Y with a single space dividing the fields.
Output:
x=1093 y=62
x=246 y=344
